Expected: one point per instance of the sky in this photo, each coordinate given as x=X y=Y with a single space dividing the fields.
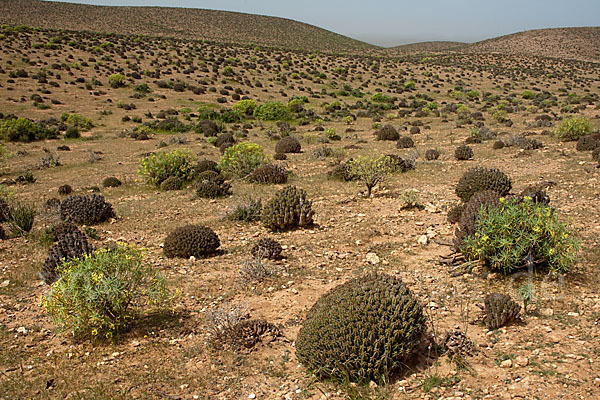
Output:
x=389 y=23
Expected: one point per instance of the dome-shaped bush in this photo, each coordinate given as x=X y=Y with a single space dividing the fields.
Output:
x=405 y=142
x=388 y=132
x=111 y=181
x=478 y=179
x=65 y=190
x=88 y=210
x=288 y=209
x=364 y=329
x=463 y=153
x=500 y=310
x=288 y=144
x=69 y=246
x=191 y=240
x=467 y=223
x=432 y=154
x=266 y=248
x=269 y=174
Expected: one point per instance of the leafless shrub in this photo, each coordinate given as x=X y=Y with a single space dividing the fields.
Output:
x=224 y=317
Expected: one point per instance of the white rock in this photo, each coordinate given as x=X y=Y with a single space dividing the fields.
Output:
x=5 y=283
x=423 y=239
x=372 y=258
x=22 y=330
x=251 y=396
x=506 y=364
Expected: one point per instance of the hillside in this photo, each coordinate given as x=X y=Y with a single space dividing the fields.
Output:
x=573 y=43
x=422 y=47
x=218 y=26
x=568 y=43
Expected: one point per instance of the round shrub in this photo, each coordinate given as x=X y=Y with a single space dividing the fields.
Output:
x=432 y=154
x=498 y=144
x=596 y=155
x=241 y=159
x=224 y=138
x=62 y=228
x=273 y=111
x=288 y=209
x=288 y=144
x=269 y=174
x=205 y=165
x=467 y=223
x=455 y=212
x=245 y=108
x=280 y=156
x=111 y=181
x=69 y=246
x=477 y=179
x=191 y=240
x=99 y=295
x=172 y=183
x=159 y=166
x=519 y=234
x=463 y=152
x=88 y=210
x=4 y=210
x=573 y=128
x=266 y=248
x=499 y=310
x=65 y=190
x=211 y=186
x=72 y=132
x=362 y=330
x=388 y=132
x=587 y=143
x=405 y=142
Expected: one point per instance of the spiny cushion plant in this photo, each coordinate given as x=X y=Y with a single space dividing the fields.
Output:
x=467 y=222
x=212 y=188
x=477 y=179
x=111 y=181
x=288 y=144
x=88 y=210
x=172 y=183
x=191 y=240
x=364 y=329
x=455 y=212
x=573 y=128
x=62 y=228
x=159 y=166
x=70 y=245
x=520 y=233
x=432 y=154
x=241 y=159
x=269 y=174
x=266 y=248
x=499 y=310
x=405 y=142
x=288 y=209
x=65 y=190
x=99 y=295
x=388 y=132
x=463 y=153
x=587 y=143
x=4 y=210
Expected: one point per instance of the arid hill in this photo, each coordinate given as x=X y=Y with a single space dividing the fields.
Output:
x=568 y=43
x=218 y=26
x=422 y=47
x=573 y=43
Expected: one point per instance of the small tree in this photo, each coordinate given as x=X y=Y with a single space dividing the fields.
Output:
x=371 y=170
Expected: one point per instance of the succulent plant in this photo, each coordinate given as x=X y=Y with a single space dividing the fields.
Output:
x=88 y=210
x=364 y=329
x=269 y=174
x=432 y=154
x=191 y=240
x=69 y=246
x=463 y=152
x=204 y=165
x=400 y=164
x=288 y=209
x=288 y=144
x=212 y=189
x=266 y=248
x=467 y=224
x=537 y=193
x=342 y=172
x=172 y=183
x=477 y=179
x=65 y=190
x=4 y=210
x=63 y=228
x=587 y=143
x=111 y=181
x=405 y=142
x=455 y=212
x=500 y=310
x=387 y=132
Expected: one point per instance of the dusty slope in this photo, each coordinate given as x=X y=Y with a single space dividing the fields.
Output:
x=219 y=26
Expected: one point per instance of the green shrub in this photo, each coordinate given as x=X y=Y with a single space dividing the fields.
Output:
x=72 y=132
x=245 y=108
x=527 y=94
x=228 y=71
x=100 y=294
x=25 y=130
x=517 y=233
x=160 y=166
x=20 y=218
x=381 y=98
x=78 y=120
x=365 y=329
x=273 y=111
x=116 y=80
x=241 y=159
x=573 y=128
x=371 y=170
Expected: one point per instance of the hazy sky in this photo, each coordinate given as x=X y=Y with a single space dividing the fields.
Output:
x=389 y=22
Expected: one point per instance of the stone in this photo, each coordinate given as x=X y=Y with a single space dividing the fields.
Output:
x=372 y=258
x=423 y=240
x=522 y=361
x=506 y=364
